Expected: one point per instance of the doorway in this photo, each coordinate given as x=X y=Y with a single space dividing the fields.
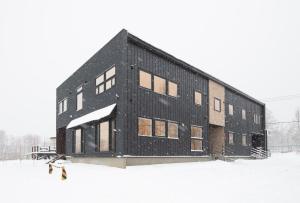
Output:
x=216 y=140
x=61 y=141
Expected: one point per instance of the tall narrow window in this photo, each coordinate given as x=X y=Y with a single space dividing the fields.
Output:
x=244 y=140
x=63 y=106
x=104 y=136
x=172 y=89
x=230 y=109
x=78 y=140
x=160 y=128
x=145 y=80
x=60 y=108
x=172 y=130
x=198 y=98
x=217 y=105
x=79 y=98
x=144 y=127
x=244 y=114
x=230 y=138
x=196 y=138
x=159 y=85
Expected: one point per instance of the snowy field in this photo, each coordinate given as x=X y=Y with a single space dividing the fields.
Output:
x=274 y=180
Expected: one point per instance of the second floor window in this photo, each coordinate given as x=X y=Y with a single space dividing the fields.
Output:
x=230 y=138
x=159 y=85
x=106 y=80
x=217 y=105
x=230 y=109
x=79 y=98
x=145 y=80
x=198 y=98
x=243 y=114
x=63 y=106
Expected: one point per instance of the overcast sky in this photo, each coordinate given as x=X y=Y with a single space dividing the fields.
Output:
x=252 y=45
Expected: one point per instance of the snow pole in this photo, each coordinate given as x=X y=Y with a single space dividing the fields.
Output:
x=63 y=173
x=50 y=169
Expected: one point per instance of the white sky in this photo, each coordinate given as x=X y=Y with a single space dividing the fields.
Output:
x=252 y=45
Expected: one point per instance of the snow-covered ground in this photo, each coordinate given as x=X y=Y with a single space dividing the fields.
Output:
x=276 y=179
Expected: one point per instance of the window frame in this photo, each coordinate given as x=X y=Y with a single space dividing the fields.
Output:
x=230 y=109
x=197 y=138
x=220 y=102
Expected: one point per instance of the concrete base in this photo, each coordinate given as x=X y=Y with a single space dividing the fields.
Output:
x=122 y=162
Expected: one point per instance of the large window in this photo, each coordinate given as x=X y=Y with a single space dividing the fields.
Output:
x=244 y=140
x=78 y=141
x=160 y=128
x=172 y=89
x=79 y=98
x=230 y=109
x=230 y=138
x=159 y=85
x=172 y=130
x=196 y=138
x=198 y=98
x=144 y=126
x=104 y=136
x=243 y=114
x=256 y=119
x=106 y=80
x=145 y=80
x=63 y=106
x=217 y=105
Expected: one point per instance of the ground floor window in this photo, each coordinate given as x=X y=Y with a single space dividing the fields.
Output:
x=244 y=140
x=172 y=130
x=144 y=127
x=230 y=138
x=196 y=138
x=78 y=141
x=160 y=128
x=105 y=138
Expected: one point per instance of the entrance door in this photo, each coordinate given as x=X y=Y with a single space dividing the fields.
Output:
x=61 y=141
x=216 y=140
x=104 y=136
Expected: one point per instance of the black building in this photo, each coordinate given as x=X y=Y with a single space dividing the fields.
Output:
x=133 y=99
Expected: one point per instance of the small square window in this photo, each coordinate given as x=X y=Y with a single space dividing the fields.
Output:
x=145 y=80
x=198 y=98
x=159 y=85
x=196 y=145
x=217 y=105
x=172 y=89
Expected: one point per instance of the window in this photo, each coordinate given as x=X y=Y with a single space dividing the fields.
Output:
x=244 y=114
x=244 y=140
x=196 y=138
x=104 y=136
x=78 y=140
x=230 y=138
x=256 y=119
x=217 y=105
x=172 y=89
x=159 y=85
x=79 y=100
x=230 y=109
x=172 y=130
x=106 y=80
x=144 y=127
x=145 y=80
x=198 y=98
x=160 y=128
x=63 y=106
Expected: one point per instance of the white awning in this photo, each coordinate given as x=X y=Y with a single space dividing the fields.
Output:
x=93 y=116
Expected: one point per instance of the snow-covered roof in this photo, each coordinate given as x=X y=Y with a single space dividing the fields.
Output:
x=93 y=116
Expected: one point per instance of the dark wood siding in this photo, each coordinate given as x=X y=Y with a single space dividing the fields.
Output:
x=147 y=103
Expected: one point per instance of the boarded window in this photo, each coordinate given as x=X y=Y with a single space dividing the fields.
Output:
x=159 y=85
x=230 y=109
x=172 y=89
x=79 y=101
x=145 y=127
x=104 y=136
x=160 y=128
x=198 y=98
x=244 y=140
x=78 y=139
x=110 y=73
x=145 y=80
x=217 y=105
x=172 y=130
x=196 y=138
x=196 y=145
x=230 y=138
x=244 y=114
